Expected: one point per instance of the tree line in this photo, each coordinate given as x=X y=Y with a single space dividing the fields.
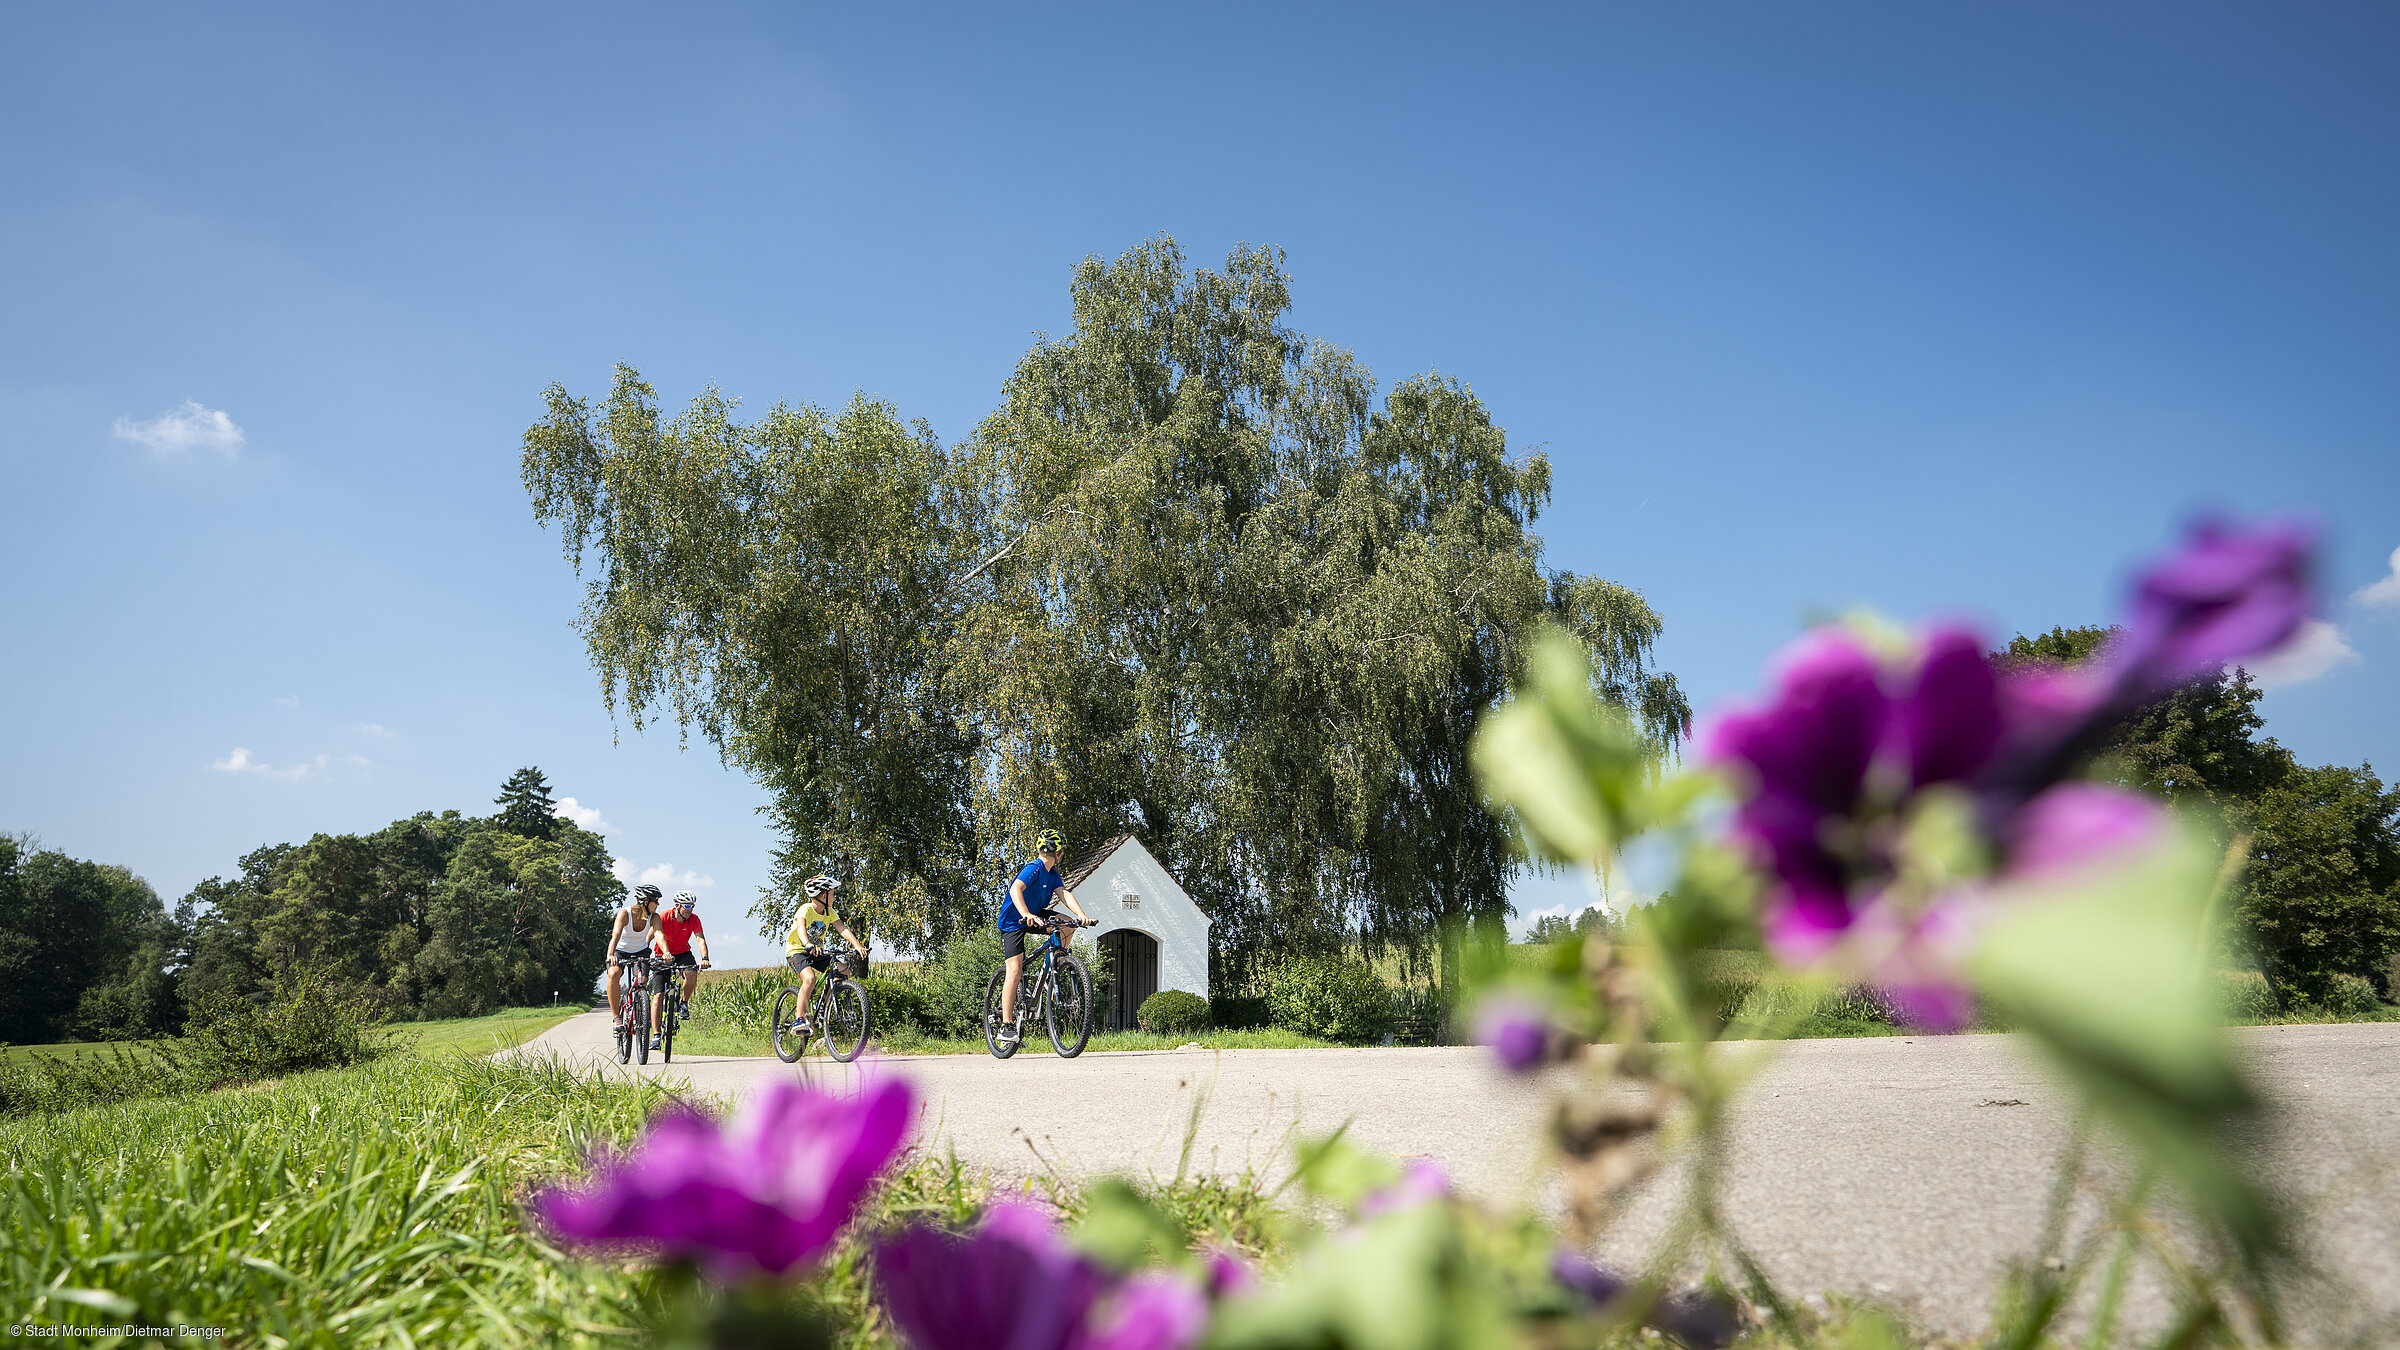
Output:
x=438 y=915
x=1197 y=577
x=2319 y=896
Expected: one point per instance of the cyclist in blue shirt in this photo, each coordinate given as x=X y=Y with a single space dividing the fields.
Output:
x=1028 y=909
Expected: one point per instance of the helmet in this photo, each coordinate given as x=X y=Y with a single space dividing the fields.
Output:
x=1049 y=841
x=818 y=885
x=685 y=899
x=647 y=892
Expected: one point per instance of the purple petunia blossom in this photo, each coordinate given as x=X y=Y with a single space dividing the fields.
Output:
x=2229 y=593
x=1423 y=1181
x=762 y=1192
x=1694 y=1319
x=1012 y=1285
x=1515 y=1030
x=1847 y=754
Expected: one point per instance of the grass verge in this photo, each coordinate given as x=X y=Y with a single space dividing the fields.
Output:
x=378 y=1206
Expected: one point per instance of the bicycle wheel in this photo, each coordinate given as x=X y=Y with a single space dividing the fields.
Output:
x=625 y=1032
x=991 y=1016
x=847 y=1019
x=668 y=1020
x=641 y=1027
x=1068 y=1010
x=788 y=1043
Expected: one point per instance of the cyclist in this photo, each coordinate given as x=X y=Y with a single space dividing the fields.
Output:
x=812 y=932
x=678 y=929
x=1028 y=908
x=631 y=937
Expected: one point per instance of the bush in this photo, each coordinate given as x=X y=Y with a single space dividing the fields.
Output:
x=1329 y=996
x=311 y=1022
x=1240 y=1012
x=1172 y=1012
x=897 y=1004
x=953 y=983
x=2245 y=995
x=2348 y=996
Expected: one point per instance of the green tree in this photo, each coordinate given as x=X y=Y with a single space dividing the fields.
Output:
x=789 y=589
x=2322 y=892
x=525 y=805
x=1550 y=928
x=1188 y=581
x=436 y=915
x=2198 y=743
x=83 y=949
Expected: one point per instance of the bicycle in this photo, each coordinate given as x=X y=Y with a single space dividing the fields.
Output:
x=633 y=1010
x=673 y=1009
x=840 y=1013
x=1060 y=991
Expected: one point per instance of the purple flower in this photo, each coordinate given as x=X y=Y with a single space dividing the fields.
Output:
x=763 y=1192
x=1227 y=1276
x=1838 y=750
x=1423 y=1181
x=2076 y=824
x=1695 y=1319
x=1515 y=1030
x=1856 y=749
x=1012 y=1285
x=2228 y=594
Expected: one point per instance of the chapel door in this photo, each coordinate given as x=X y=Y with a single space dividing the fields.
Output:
x=1133 y=974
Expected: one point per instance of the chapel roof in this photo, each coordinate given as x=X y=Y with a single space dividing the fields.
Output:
x=1088 y=861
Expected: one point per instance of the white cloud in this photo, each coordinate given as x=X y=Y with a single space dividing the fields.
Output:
x=287 y=700
x=569 y=809
x=189 y=427
x=2384 y=592
x=240 y=762
x=379 y=729
x=665 y=876
x=2318 y=649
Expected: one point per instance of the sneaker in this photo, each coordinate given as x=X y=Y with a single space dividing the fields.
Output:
x=654 y=1042
x=1008 y=1033
x=800 y=1028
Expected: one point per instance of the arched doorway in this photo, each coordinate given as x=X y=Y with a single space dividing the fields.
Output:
x=1132 y=960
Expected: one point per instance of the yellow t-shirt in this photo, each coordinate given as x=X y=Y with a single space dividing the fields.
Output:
x=811 y=927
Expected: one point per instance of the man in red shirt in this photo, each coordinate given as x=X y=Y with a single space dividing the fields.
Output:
x=678 y=930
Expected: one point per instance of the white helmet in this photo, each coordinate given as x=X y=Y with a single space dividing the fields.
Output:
x=685 y=899
x=818 y=885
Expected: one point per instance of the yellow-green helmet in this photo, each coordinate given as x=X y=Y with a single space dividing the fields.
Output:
x=1049 y=841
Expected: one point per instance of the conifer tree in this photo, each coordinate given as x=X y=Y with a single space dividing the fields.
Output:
x=525 y=805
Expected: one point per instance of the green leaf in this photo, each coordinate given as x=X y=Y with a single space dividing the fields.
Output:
x=2101 y=973
x=1125 y=1232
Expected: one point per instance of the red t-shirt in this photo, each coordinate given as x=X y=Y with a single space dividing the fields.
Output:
x=678 y=933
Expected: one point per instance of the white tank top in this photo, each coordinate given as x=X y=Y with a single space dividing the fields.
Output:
x=632 y=938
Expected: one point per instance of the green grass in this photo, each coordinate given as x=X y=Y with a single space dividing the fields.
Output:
x=493 y=1031
x=379 y=1206
x=368 y=1206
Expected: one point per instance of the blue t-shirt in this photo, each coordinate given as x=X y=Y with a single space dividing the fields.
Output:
x=1039 y=881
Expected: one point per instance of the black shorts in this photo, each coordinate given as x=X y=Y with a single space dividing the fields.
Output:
x=799 y=961
x=1012 y=943
x=685 y=959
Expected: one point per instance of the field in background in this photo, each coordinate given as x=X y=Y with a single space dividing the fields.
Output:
x=472 y=1035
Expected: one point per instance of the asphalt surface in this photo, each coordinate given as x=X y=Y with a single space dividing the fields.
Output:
x=1908 y=1171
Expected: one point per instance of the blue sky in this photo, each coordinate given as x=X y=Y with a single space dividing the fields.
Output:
x=1927 y=309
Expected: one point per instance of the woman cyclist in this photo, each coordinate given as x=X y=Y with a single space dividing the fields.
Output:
x=804 y=947
x=636 y=922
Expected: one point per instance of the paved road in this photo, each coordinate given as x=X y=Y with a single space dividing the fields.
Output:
x=1872 y=1166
